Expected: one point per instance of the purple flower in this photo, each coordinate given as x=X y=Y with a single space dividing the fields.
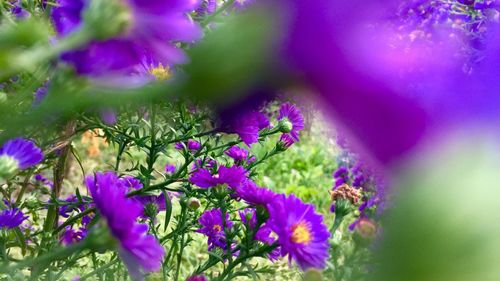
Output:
x=286 y=141
x=152 y=203
x=40 y=94
x=151 y=32
x=170 y=169
x=18 y=10
x=24 y=152
x=249 y=217
x=301 y=232
x=11 y=218
x=71 y=236
x=131 y=182
x=191 y=145
x=237 y=153
x=232 y=176
x=108 y=116
x=207 y=7
x=254 y=195
x=204 y=163
x=139 y=250
x=290 y=114
x=200 y=277
x=213 y=227
x=67 y=209
x=44 y=180
x=248 y=125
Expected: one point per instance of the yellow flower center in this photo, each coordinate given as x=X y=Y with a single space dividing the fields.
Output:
x=301 y=233
x=161 y=72
x=217 y=228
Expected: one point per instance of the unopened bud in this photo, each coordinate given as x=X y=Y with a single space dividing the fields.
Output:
x=285 y=126
x=3 y=97
x=313 y=274
x=193 y=203
x=8 y=166
x=151 y=210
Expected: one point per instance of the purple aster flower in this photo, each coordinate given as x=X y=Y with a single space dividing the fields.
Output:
x=249 y=217
x=151 y=31
x=71 y=235
x=40 y=94
x=232 y=176
x=170 y=169
x=213 y=227
x=11 y=218
x=139 y=250
x=291 y=119
x=204 y=163
x=67 y=209
x=40 y=178
x=301 y=232
x=248 y=125
x=153 y=204
x=108 y=116
x=24 y=153
x=200 y=277
x=285 y=141
x=19 y=11
x=254 y=195
x=207 y=7
x=190 y=145
x=237 y=153
x=131 y=182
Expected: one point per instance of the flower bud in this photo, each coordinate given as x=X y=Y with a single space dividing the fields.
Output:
x=366 y=228
x=193 y=203
x=220 y=191
x=313 y=274
x=151 y=210
x=285 y=125
x=3 y=97
x=8 y=166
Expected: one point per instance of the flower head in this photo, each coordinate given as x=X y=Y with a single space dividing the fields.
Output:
x=11 y=218
x=248 y=125
x=255 y=195
x=131 y=182
x=232 y=176
x=170 y=169
x=140 y=251
x=237 y=153
x=213 y=227
x=71 y=235
x=197 y=278
x=291 y=119
x=150 y=30
x=24 y=152
x=190 y=145
x=301 y=232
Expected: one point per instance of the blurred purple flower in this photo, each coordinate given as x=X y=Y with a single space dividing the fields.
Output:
x=108 y=116
x=237 y=153
x=248 y=125
x=213 y=227
x=25 y=153
x=170 y=169
x=232 y=176
x=71 y=236
x=153 y=28
x=131 y=182
x=11 y=218
x=200 y=277
x=139 y=250
x=191 y=145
